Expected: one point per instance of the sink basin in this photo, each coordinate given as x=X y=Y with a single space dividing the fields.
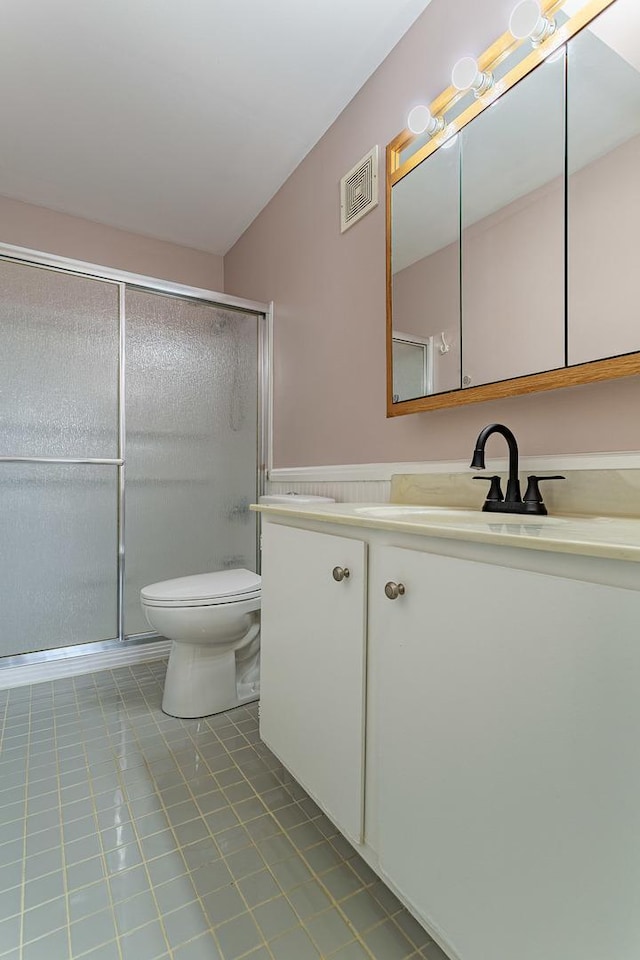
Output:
x=398 y=511
x=409 y=512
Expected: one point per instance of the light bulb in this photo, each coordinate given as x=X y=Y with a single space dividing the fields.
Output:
x=527 y=21
x=421 y=120
x=467 y=75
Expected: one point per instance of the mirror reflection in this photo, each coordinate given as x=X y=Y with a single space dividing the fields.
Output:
x=513 y=158
x=412 y=366
x=425 y=265
x=515 y=240
x=603 y=191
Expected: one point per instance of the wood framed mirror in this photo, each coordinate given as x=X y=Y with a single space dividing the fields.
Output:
x=513 y=233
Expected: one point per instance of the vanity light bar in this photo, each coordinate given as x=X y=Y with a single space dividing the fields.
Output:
x=527 y=21
x=421 y=120
x=467 y=75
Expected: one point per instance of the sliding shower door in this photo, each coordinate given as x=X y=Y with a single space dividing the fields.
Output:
x=129 y=426
x=59 y=453
x=191 y=448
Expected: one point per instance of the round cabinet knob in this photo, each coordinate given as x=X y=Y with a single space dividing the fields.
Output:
x=394 y=590
x=340 y=573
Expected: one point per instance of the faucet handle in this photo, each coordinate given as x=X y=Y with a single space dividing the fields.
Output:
x=495 y=494
x=532 y=494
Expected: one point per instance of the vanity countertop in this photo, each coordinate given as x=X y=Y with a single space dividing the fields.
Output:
x=615 y=538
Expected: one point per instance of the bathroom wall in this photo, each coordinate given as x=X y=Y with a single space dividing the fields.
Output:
x=329 y=289
x=603 y=255
x=39 y=228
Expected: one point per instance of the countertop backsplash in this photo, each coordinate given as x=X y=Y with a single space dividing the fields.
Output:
x=591 y=493
x=585 y=492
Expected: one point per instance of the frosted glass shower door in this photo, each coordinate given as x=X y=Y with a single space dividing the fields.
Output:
x=59 y=363
x=58 y=555
x=191 y=442
x=59 y=340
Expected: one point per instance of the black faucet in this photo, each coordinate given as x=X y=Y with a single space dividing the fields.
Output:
x=513 y=501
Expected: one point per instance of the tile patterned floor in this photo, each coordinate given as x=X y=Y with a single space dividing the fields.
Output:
x=128 y=835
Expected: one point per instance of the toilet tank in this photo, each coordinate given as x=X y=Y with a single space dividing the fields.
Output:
x=291 y=498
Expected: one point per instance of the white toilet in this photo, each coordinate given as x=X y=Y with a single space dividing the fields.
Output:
x=214 y=622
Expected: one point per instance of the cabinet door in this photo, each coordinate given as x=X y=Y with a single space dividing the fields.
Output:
x=506 y=756
x=313 y=664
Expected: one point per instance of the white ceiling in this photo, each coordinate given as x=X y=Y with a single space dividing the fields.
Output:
x=178 y=120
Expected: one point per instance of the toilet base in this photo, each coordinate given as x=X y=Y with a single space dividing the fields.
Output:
x=200 y=682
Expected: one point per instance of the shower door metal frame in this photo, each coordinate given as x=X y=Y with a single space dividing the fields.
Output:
x=123 y=279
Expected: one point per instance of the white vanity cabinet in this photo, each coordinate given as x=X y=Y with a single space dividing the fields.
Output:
x=505 y=759
x=313 y=665
x=502 y=781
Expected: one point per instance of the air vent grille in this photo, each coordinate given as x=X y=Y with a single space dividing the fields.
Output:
x=359 y=190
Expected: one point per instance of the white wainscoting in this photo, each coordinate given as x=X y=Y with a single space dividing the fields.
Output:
x=345 y=491
x=371 y=482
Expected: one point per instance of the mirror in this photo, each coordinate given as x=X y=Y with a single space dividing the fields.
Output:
x=512 y=232
x=426 y=264
x=603 y=190
x=412 y=366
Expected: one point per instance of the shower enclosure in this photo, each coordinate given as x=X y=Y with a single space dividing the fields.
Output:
x=132 y=432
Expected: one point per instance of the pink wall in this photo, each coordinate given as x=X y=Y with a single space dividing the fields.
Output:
x=38 y=228
x=513 y=289
x=329 y=289
x=604 y=316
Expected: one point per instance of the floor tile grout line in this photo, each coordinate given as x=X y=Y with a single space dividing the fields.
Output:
x=25 y=838
x=318 y=879
x=177 y=851
x=345 y=917
x=146 y=870
x=335 y=903
x=102 y=854
x=180 y=846
x=234 y=882
x=65 y=879
x=127 y=702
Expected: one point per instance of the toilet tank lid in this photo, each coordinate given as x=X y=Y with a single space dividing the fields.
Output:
x=204 y=586
x=293 y=498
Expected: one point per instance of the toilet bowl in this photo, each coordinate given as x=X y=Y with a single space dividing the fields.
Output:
x=213 y=620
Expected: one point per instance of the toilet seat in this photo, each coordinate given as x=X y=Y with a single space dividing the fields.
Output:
x=204 y=589
x=205 y=602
